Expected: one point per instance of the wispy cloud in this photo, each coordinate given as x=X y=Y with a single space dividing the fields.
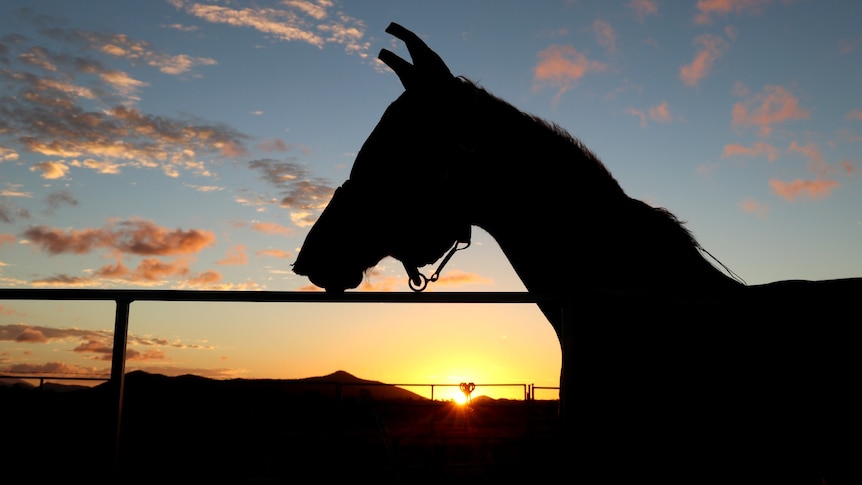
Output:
x=136 y=237
x=66 y=105
x=752 y=206
x=605 y=35
x=297 y=190
x=769 y=107
x=759 y=149
x=643 y=8
x=314 y=22
x=659 y=113
x=706 y=9
x=823 y=183
x=710 y=48
x=561 y=67
x=812 y=189
x=274 y=253
x=236 y=256
x=273 y=228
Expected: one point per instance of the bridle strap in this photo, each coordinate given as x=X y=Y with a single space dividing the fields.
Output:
x=418 y=281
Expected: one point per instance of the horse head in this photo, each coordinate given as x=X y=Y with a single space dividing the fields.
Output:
x=400 y=199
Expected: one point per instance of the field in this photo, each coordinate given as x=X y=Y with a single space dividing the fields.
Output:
x=193 y=430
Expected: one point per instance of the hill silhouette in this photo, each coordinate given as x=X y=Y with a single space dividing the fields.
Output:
x=192 y=429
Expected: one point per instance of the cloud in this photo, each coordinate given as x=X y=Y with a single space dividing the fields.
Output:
x=643 y=8
x=759 y=149
x=639 y=114
x=296 y=190
x=711 y=48
x=707 y=8
x=37 y=334
x=123 y=46
x=6 y=238
x=763 y=110
x=96 y=345
x=9 y=212
x=813 y=189
x=149 y=270
x=816 y=163
x=51 y=170
x=273 y=228
x=457 y=277
x=754 y=207
x=7 y=154
x=605 y=35
x=273 y=253
x=60 y=198
x=56 y=368
x=562 y=66
x=137 y=237
x=659 y=113
x=301 y=21
x=855 y=115
x=235 y=256
x=74 y=107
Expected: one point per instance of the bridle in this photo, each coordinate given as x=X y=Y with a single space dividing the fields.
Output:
x=418 y=281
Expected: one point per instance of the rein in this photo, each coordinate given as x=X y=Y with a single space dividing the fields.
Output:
x=418 y=281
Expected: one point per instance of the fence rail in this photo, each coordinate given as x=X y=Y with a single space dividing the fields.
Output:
x=124 y=298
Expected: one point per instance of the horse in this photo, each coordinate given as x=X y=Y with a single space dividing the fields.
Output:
x=672 y=367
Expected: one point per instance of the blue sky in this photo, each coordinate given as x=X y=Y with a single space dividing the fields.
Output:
x=190 y=144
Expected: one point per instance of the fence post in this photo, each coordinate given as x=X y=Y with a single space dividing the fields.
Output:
x=118 y=371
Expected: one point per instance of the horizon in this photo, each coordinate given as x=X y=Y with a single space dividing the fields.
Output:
x=435 y=391
x=190 y=145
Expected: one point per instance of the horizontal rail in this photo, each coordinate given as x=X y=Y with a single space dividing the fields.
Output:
x=271 y=296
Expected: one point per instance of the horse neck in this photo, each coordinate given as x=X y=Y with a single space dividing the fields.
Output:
x=565 y=224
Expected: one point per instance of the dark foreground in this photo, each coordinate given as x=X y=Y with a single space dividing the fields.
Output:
x=193 y=430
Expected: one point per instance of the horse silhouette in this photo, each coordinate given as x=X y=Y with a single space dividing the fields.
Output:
x=673 y=369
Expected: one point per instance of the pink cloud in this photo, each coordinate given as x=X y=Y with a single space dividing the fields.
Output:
x=605 y=35
x=759 y=149
x=813 y=189
x=235 y=256
x=754 y=207
x=562 y=66
x=643 y=8
x=707 y=8
x=855 y=115
x=711 y=48
x=272 y=228
x=274 y=253
x=816 y=163
x=771 y=106
x=660 y=113
x=6 y=239
x=139 y=237
x=639 y=114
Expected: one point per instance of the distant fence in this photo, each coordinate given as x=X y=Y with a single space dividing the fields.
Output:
x=529 y=390
x=124 y=298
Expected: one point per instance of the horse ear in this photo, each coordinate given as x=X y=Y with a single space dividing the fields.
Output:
x=427 y=65
x=405 y=71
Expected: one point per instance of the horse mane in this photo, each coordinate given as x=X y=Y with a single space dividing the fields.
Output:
x=583 y=161
x=556 y=138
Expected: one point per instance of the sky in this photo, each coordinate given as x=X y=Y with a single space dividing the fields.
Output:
x=190 y=144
